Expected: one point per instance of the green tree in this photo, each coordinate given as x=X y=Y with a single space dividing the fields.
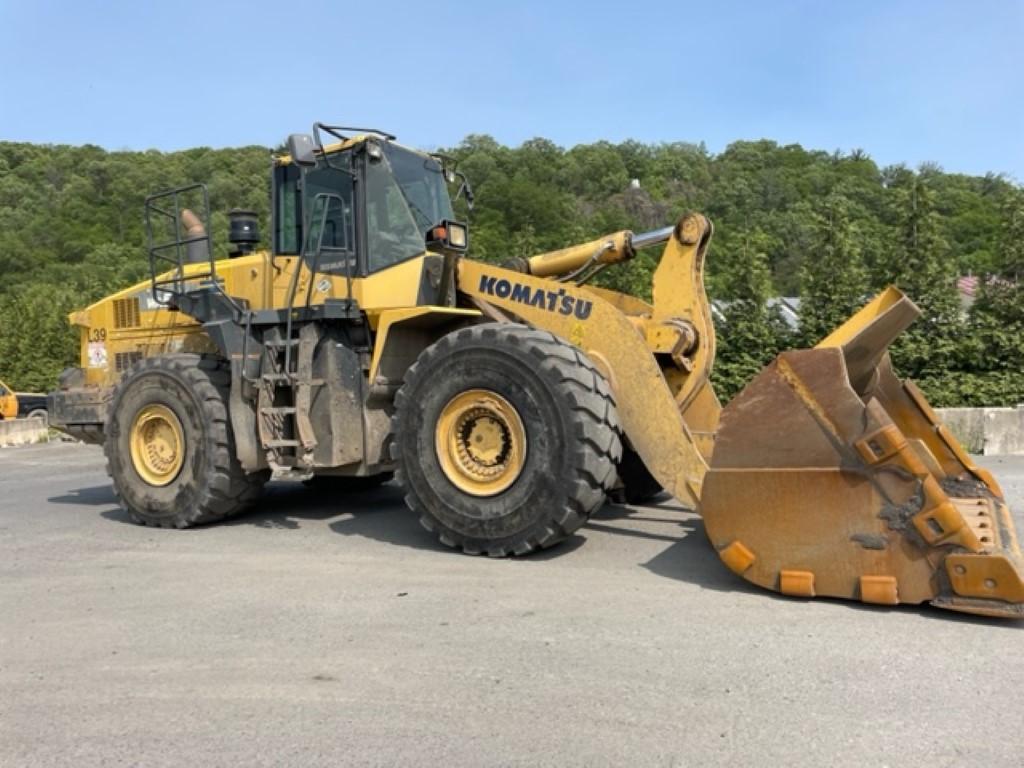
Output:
x=750 y=333
x=36 y=343
x=919 y=263
x=833 y=279
x=1010 y=265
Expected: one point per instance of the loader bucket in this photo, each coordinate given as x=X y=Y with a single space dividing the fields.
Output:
x=831 y=477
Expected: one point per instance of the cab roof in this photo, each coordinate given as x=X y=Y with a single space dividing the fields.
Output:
x=349 y=143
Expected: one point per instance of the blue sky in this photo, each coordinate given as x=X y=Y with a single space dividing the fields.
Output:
x=906 y=81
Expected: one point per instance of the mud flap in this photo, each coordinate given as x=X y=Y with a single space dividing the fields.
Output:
x=831 y=477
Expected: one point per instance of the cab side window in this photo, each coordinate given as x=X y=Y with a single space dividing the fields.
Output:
x=287 y=209
x=393 y=234
x=331 y=220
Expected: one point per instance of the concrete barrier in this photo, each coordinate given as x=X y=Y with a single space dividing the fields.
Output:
x=23 y=431
x=987 y=430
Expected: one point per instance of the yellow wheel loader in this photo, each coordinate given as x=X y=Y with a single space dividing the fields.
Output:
x=510 y=401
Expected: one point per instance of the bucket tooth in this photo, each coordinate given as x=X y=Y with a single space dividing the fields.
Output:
x=841 y=480
x=737 y=557
x=881 y=590
x=796 y=583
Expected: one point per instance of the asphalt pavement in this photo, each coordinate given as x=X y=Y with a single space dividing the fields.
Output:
x=317 y=631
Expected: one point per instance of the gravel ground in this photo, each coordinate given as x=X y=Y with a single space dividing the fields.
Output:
x=311 y=632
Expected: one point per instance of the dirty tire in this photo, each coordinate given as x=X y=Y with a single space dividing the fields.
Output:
x=638 y=484
x=38 y=413
x=572 y=438
x=211 y=484
x=348 y=484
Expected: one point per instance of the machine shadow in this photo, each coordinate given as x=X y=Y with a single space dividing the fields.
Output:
x=690 y=557
x=94 y=496
x=380 y=514
x=377 y=513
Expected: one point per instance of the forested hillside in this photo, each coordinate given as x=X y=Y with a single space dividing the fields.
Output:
x=828 y=227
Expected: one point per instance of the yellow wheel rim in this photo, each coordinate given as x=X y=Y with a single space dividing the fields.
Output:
x=157 y=445
x=480 y=442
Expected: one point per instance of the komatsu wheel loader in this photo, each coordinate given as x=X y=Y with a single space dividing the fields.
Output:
x=510 y=401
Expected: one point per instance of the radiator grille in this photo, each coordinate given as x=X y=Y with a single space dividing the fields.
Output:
x=125 y=360
x=126 y=313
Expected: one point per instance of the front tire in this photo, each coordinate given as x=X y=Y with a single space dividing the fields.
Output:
x=506 y=439
x=169 y=444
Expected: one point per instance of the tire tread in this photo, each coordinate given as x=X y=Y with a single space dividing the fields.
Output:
x=229 y=489
x=596 y=443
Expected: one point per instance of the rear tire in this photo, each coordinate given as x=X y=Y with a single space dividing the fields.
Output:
x=169 y=444
x=509 y=384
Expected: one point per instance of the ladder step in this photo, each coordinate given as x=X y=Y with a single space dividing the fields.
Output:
x=287 y=378
x=283 y=444
x=284 y=410
x=280 y=342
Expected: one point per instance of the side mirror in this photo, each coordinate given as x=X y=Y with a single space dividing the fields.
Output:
x=464 y=189
x=301 y=148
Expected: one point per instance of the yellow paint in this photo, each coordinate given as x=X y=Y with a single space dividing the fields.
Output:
x=609 y=249
x=8 y=402
x=787 y=374
x=628 y=305
x=678 y=292
x=480 y=442
x=157 y=445
x=261 y=282
x=329 y=149
x=996 y=576
x=577 y=334
x=796 y=583
x=737 y=557
x=877 y=306
x=430 y=315
x=647 y=407
x=881 y=590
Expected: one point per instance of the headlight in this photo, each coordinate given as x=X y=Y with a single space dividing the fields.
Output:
x=456 y=235
x=448 y=236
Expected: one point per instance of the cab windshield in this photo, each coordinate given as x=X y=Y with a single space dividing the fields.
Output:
x=406 y=195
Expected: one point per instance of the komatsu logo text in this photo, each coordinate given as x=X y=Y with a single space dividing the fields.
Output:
x=552 y=301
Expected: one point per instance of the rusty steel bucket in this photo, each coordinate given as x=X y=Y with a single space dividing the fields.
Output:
x=831 y=477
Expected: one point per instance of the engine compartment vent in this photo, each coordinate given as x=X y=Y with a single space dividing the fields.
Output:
x=126 y=313
x=125 y=360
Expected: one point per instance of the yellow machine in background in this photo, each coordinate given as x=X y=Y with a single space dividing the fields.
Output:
x=8 y=402
x=511 y=401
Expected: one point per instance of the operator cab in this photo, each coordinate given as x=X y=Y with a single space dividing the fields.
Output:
x=363 y=204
